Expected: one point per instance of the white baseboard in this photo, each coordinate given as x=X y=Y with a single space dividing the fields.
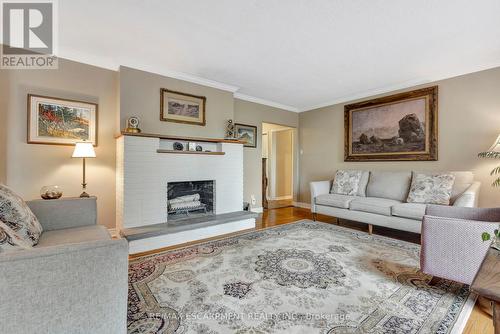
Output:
x=302 y=205
x=257 y=210
x=279 y=198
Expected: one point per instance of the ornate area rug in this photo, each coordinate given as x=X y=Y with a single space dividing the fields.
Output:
x=305 y=277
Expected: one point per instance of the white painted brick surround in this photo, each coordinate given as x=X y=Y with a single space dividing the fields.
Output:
x=142 y=175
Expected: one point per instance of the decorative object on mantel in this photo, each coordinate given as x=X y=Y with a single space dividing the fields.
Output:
x=133 y=125
x=192 y=147
x=56 y=121
x=51 y=192
x=182 y=107
x=247 y=134
x=392 y=128
x=84 y=150
x=199 y=148
x=229 y=129
x=178 y=146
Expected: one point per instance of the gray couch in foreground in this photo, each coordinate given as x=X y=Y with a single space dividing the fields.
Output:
x=381 y=200
x=73 y=281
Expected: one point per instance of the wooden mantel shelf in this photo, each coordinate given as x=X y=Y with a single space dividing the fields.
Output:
x=189 y=152
x=193 y=139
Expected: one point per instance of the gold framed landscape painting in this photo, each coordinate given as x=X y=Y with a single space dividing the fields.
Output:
x=56 y=121
x=182 y=107
x=393 y=128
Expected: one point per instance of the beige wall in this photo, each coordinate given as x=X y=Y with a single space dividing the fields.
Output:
x=4 y=93
x=140 y=96
x=284 y=163
x=469 y=122
x=254 y=114
x=30 y=166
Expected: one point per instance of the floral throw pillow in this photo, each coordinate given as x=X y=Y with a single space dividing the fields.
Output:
x=9 y=240
x=431 y=189
x=17 y=216
x=346 y=182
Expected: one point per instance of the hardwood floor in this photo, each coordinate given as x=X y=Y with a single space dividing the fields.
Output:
x=478 y=323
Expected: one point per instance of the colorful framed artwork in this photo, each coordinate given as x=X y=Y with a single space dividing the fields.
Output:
x=393 y=128
x=247 y=134
x=56 y=121
x=182 y=108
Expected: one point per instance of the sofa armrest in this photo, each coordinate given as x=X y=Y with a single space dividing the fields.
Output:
x=65 y=213
x=318 y=188
x=470 y=197
x=72 y=288
x=452 y=248
x=479 y=214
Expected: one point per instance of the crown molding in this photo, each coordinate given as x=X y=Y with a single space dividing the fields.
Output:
x=405 y=85
x=111 y=64
x=264 y=102
x=365 y=94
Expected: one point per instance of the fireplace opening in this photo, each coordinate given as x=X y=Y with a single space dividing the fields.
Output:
x=190 y=199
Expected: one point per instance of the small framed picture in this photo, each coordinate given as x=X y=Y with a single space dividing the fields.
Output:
x=182 y=107
x=58 y=121
x=191 y=146
x=247 y=134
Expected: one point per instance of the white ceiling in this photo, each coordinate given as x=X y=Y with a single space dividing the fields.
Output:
x=296 y=54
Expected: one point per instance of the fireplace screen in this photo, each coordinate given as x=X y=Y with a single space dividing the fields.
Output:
x=190 y=199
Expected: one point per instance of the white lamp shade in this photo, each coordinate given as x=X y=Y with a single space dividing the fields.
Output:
x=83 y=150
x=496 y=146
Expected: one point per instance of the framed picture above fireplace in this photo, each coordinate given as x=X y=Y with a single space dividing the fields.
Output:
x=396 y=127
x=182 y=107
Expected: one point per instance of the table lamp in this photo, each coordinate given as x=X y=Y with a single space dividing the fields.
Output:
x=84 y=150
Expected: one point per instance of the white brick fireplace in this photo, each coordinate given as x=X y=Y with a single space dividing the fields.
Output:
x=146 y=164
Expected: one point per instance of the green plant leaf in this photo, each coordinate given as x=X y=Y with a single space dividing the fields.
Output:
x=495 y=171
x=493 y=155
x=485 y=236
x=496 y=183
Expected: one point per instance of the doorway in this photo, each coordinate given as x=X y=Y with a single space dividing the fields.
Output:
x=277 y=165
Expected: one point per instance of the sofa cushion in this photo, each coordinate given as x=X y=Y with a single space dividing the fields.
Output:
x=73 y=235
x=346 y=182
x=10 y=241
x=335 y=200
x=409 y=210
x=431 y=189
x=363 y=182
x=381 y=206
x=17 y=216
x=390 y=185
x=463 y=180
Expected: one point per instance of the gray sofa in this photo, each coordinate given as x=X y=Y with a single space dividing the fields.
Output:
x=381 y=200
x=73 y=281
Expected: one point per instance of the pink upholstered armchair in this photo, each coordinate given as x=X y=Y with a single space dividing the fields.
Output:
x=452 y=247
